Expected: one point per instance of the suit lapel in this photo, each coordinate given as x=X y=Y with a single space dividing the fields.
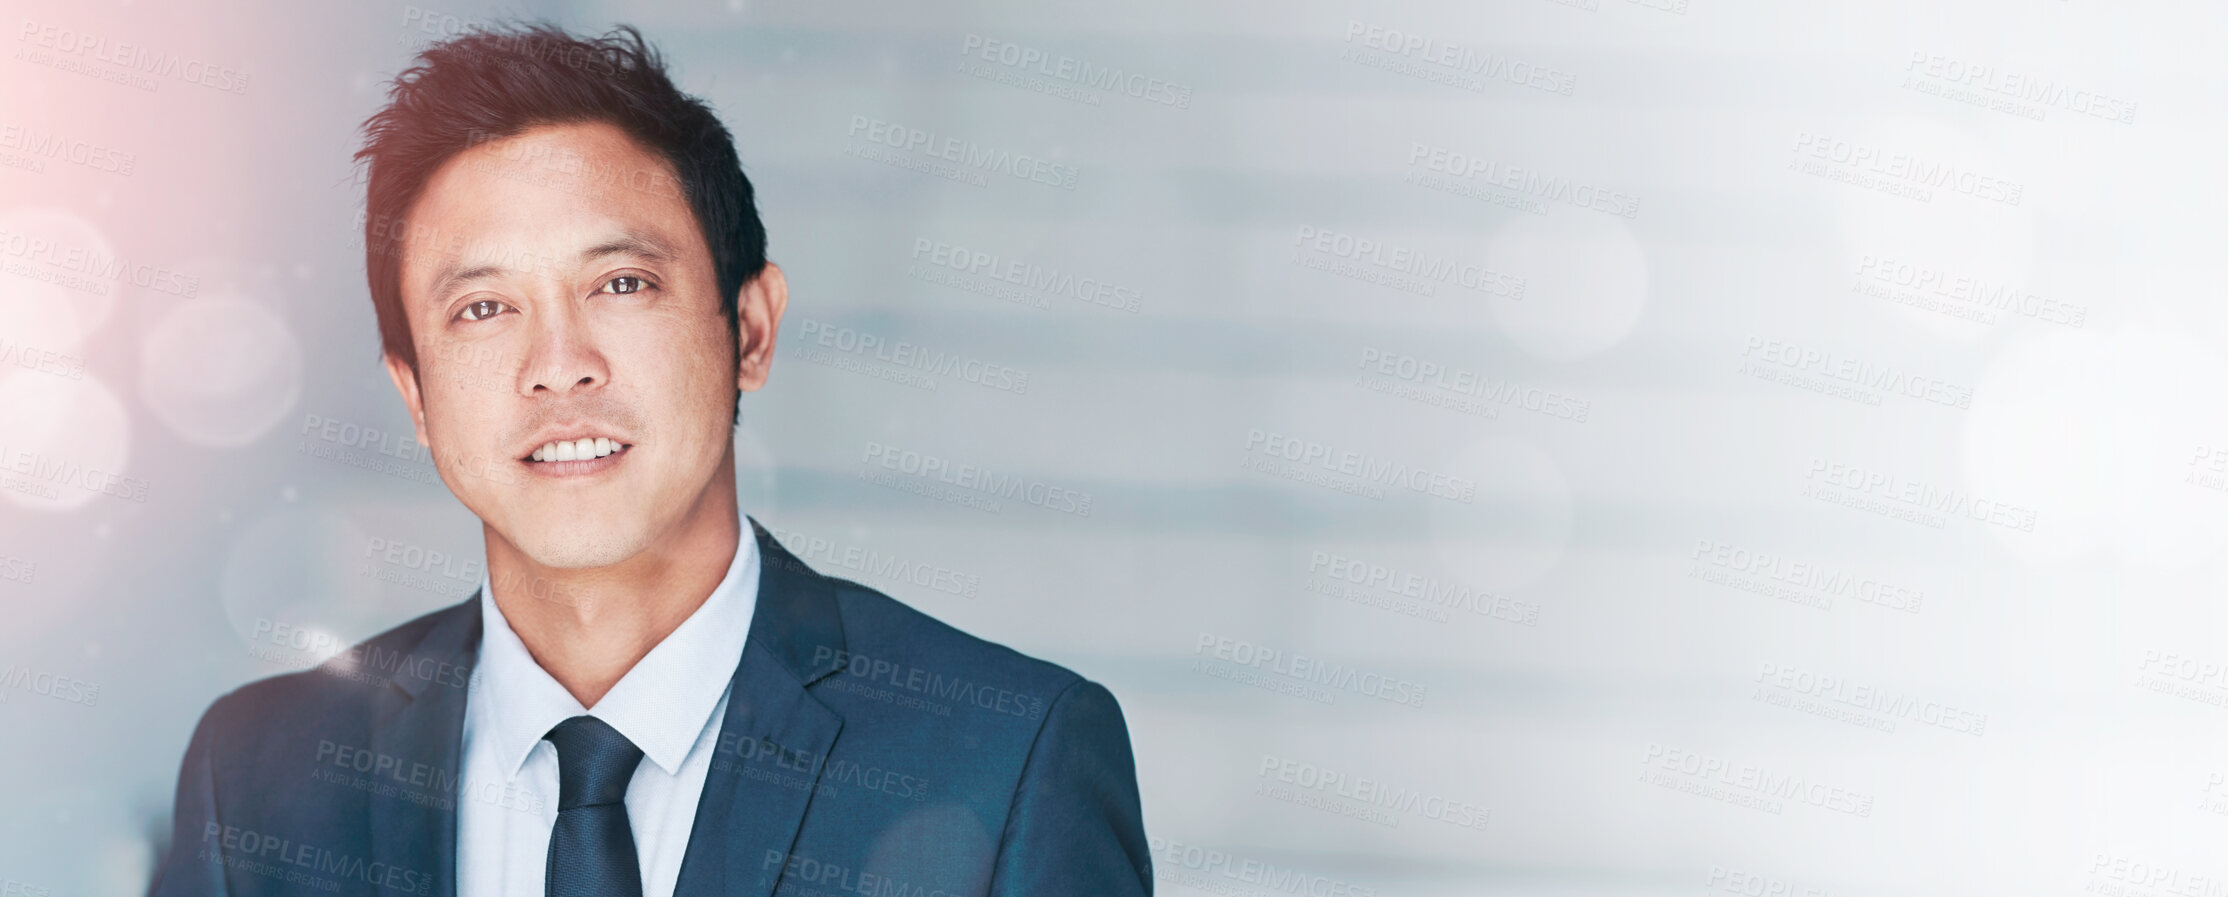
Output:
x=775 y=738
x=420 y=718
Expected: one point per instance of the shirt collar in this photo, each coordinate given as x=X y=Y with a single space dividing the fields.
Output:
x=662 y=704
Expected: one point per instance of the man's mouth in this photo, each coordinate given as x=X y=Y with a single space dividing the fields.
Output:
x=583 y=449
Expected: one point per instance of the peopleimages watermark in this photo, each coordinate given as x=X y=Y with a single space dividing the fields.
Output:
x=48 y=684
x=390 y=234
x=1063 y=76
x=1822 y=370
x=1408 y=592
x=398 y=454
x=10 y=887
x=971 y=485
x=1902 y=174
x=952 y=158
x=934 y=577
x=46 y=361
x=16 y=570
x=2208 y=468
x=806 y=876
x=2015 y=93
x=1308 y=779
x=2119 y=875
x=1012 y=280
x=414 y=774
x=502 y=48
x=2213 y=798
x=432 y=570
x=901 y=359
x=367 y=663
x=767 y=761
x=26 y=147
x=866 y=669
x=1296 y=674
x=382 y=774
x=1916 y=501
x=1417 y=55
x=367 y=448
x=2188 y=678
x=247 y=850
x=564 y=170
x=1753 y=884
x=86 y=269
x=1793 y=580
x=306 y=642
x=1519 y=181
x=1867 y=706
x=1458 y=389
x=1744 y=784
x=438 y=23
x=1347 y=470
x=1215 y=871
x=1970 y=298
x=130 y=64
x=45 y=475
x=1402 y=268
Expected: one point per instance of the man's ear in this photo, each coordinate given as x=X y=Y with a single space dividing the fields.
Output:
x=406 y=382
x=758 y=309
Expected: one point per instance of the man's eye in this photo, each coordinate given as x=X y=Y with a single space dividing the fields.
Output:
x=481 y=310
x=625 y=283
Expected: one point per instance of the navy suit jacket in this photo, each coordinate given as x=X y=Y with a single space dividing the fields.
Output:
x=867 y=749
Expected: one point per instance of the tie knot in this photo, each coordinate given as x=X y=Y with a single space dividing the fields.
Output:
x=594 y=762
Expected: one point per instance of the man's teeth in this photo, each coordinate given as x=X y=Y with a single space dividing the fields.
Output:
x=575 y=449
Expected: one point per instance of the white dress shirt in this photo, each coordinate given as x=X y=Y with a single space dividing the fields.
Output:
x=670 y=705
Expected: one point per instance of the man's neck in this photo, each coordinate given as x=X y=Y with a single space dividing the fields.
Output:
x=588 y=626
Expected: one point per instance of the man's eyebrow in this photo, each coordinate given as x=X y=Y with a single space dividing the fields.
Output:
x=451 y=276
x=631 y=243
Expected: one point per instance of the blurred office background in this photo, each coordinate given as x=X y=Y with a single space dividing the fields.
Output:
x=1530 y=447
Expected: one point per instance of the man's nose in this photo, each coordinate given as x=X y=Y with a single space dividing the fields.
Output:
x=565 y=355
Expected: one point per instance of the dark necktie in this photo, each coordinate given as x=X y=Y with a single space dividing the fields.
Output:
x=591 y=851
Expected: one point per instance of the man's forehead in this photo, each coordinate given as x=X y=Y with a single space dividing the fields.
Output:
x=552 y=177
x=515 y=205
x=590 y=151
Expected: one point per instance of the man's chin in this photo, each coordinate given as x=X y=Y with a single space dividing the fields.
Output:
x=593 y=545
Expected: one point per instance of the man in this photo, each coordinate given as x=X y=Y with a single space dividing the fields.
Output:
x=645 y=697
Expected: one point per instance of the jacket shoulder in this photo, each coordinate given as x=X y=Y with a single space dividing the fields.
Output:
x=886 y=639
x=338 y=696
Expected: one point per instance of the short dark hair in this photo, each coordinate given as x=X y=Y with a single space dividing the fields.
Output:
x=497 y=81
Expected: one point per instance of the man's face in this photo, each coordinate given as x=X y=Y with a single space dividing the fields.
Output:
x=576 y=378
